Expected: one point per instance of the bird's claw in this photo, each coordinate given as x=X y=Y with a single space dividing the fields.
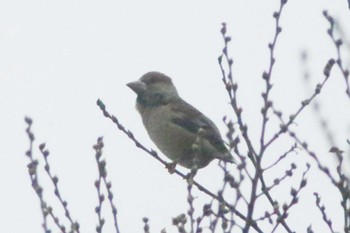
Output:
x=171 y=167
x=189 y=177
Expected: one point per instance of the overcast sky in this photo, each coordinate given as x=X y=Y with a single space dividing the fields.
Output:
x=58 y=57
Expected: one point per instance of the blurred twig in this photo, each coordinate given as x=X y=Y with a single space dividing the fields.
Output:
x=323 y=121
x=338 y=43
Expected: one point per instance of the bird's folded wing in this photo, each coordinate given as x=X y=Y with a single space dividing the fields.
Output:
x=190 y=119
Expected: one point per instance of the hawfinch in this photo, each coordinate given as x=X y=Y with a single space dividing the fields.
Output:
x=180 y=131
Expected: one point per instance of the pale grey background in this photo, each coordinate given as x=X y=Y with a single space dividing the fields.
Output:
x=58 y=57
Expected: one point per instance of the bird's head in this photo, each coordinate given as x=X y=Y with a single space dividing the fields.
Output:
x=153 y=89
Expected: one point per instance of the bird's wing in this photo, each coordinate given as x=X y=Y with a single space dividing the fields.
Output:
x=190 y=119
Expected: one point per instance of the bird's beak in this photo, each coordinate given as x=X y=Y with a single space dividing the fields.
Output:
x=137 y=86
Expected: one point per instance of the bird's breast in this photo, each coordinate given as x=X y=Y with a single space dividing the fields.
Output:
x=172 y=140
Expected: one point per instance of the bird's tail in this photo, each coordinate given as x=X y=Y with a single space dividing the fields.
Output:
x=228 y=158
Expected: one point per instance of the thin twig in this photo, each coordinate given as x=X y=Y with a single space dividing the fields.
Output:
x=54 y=179
x=338 y=43
x=103 y=178
x=33 y=174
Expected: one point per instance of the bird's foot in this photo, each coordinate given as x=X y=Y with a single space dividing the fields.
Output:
x=191 y=175
x=171 y=167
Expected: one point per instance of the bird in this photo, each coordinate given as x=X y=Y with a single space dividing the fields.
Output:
x=180 y=131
